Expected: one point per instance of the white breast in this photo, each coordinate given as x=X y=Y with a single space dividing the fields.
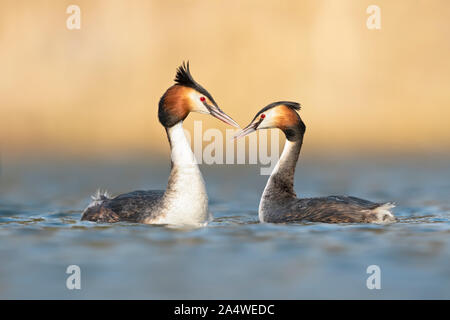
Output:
x=185 y=199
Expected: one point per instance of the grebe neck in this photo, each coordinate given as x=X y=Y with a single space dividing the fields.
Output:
x=180 y=151
x=185 y=196
x=280 y=185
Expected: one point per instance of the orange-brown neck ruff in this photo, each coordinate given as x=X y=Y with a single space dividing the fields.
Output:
x=290 y=123
x=174 y=105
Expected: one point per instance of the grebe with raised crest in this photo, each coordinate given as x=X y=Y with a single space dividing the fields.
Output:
x=185 y=200
x=279 y=203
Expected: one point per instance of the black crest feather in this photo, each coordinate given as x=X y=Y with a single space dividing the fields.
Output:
x=184 y=78
x=294 y=132
x=290 y=104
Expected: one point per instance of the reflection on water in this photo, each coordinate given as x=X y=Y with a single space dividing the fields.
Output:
x=235 y=256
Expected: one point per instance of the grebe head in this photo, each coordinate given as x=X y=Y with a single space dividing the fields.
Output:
x=281 y=115
x=185 y=96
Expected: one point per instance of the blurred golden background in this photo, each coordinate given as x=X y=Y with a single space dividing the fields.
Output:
x=93 y=92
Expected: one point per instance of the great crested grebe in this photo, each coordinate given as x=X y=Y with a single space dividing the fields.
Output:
x=279 y=202
x=185 y=201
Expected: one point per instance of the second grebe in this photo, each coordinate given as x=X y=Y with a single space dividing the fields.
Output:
x=279 y=202
x=185 y=201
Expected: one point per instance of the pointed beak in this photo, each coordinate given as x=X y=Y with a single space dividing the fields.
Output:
x=219 y=114
x=247 y=130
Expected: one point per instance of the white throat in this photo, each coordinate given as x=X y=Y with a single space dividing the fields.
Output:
x=288 y=158
x=185 y=199
x=181 y=152
x=281 y=181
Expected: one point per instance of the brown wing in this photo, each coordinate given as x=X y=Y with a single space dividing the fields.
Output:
x=131 y=207
x=332 y=209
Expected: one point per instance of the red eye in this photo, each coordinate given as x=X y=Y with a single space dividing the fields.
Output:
x=263 y=116
x=202 y=99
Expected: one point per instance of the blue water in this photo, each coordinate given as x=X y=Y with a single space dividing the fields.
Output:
x=235 y=256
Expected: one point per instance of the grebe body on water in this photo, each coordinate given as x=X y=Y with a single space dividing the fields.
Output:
x=185 y=200
x=279 y=203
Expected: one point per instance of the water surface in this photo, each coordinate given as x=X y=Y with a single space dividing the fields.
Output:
x=233 y=257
